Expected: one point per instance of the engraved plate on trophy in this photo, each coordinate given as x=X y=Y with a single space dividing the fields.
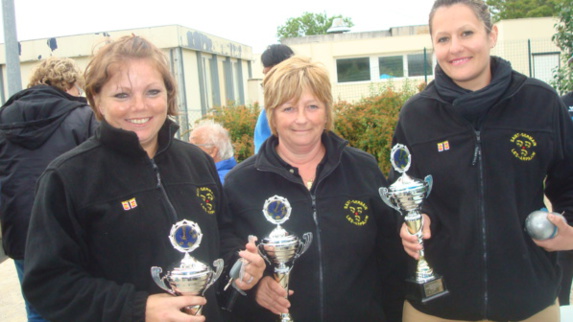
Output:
x=406 y=195
x=192 y=277
x=280 y=249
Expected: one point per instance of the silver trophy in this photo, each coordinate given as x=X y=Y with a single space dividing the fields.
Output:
x=280 y=249
x=407 y=195
x=192 y=277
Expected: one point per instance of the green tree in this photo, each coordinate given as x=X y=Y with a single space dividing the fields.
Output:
x=308 y=24
x=514 y=9
x=563 y=38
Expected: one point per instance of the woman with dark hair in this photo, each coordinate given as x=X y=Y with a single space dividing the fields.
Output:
x=495 y=142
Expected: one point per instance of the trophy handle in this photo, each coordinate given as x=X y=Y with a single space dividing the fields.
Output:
x=218 y=263
x=430 y=181
x=156 y=275
x=260 y=248
x=305 y=243
x=383 y=191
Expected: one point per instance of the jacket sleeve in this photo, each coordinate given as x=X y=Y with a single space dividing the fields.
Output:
x=57 y=279
x=231 y=244
x=559 y=182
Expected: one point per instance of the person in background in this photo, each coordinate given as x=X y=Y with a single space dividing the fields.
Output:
x=355 y=267
x=214 y=139
x=104 y=210
x=37 y=124
x=495 y=142
x=273 y=55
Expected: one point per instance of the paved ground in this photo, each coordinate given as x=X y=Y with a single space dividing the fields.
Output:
x=11 y=301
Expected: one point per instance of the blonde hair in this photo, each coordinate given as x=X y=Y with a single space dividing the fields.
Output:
x=113 y=54
x=60 y=73
x=288 y=79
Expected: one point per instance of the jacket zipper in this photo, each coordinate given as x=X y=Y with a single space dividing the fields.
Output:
x=319 y=244
x=478 y=160
x=163 y=192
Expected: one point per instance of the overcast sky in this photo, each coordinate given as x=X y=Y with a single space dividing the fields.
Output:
x=250 y=22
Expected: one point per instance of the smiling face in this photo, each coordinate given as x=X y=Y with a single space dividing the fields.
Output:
x=462 y=46
x=300 y=123
x=135 y=99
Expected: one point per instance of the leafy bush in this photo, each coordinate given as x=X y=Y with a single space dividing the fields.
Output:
x=563 y=38
x=367 y=125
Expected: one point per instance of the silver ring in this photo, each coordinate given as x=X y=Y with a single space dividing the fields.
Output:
x=250 y=280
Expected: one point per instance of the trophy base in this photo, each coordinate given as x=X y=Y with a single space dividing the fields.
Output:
x=426 y=291
x=285 y=317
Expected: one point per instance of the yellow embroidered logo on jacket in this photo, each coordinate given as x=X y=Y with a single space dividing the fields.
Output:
x=355 y=212
x=129 y=204
x=524 y=148
x=207 y=199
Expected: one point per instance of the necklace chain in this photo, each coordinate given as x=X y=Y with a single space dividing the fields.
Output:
x=309 y=183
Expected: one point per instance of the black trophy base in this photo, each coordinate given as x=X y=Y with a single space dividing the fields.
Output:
x=427 y=291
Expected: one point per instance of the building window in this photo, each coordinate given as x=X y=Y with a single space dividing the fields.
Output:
x=391 y=66
x=416 y=65
x=353 y=69
x=410 y=65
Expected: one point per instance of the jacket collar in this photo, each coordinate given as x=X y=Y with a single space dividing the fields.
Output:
x=268 y=159
x=516 y=82
x=126 y=142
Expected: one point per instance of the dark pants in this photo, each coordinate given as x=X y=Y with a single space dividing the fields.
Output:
x=565 y=260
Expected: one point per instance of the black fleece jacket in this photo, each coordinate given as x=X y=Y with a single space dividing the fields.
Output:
x=355 y=266
x=486 y=182
x=101 y=220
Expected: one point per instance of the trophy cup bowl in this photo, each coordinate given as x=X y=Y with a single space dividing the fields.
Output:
x=191 y=277
x=280 y=249
x=407 y=195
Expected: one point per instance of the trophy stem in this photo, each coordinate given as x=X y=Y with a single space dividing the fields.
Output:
x=424 y=272
x=415 y=222
x=283 y=278
x=193 y=309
